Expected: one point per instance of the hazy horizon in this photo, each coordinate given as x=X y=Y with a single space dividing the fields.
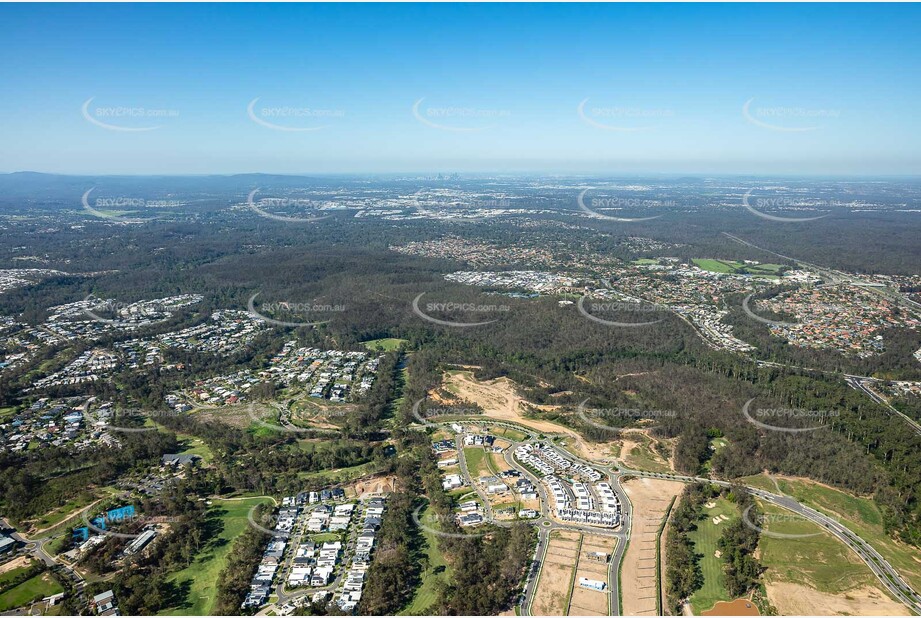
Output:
x=702 y=89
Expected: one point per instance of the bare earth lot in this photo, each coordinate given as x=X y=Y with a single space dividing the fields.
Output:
x=792 y=599
x=556 y=575
x=650 y=499
x=500 y=401
x=586 y=602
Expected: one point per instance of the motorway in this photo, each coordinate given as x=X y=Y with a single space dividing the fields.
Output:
x=880 y=567
x=887 y=575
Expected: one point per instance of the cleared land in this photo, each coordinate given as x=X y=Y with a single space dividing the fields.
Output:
x=732 y=266
x=554 y=586
x=201 y=577
x=637 y=451
x=709 y=530
x=859 y=514
x=500 y=401
x=802 y=573
x=650 y=499
x=388 y=344
x=475 y=457
x=587 y=602
x=14 y=567
x=32 y=589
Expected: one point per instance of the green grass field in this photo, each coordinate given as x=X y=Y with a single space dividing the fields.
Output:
x=437 y=570
x=476 y=461
x=506 y=432
x=34 y=588
x=705 y=539
x=645 y=261
x=388 y=344
x=325 y=537
x=9 y=576
x=732 y=266
x=860 y=515
x=200 y=579
x=340 y=475
x=820 y=562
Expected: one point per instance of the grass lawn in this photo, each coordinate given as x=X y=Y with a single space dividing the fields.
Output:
x=340 y=475
x=645 y=261
x=821 y=562
x=512 y=434
x=705 y=539
x=325 y=537
x=39 y=587
x=437 y=569
x=200 y=579
x=388 y=344
x=196 y=446
x=476 y=461
x=9 y=576
x=860 y=515
x=731 y=266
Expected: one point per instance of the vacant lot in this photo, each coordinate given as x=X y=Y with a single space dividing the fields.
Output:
x=731 y=266
x=802 y=572
x=387 y=344
x=650 y=499
x=638 y=452
x=587 y=602
x=37 y=587
x=556 y=575
x=859 y=514
x=500 y=401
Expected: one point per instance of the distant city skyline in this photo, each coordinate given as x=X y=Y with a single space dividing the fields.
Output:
x=380 y=89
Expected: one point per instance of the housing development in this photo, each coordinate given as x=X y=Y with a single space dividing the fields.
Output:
x=491 y=309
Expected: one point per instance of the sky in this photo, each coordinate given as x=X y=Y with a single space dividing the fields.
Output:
x=490 y=88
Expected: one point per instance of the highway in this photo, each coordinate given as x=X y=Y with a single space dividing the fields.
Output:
x=880 y=567
x=887 y=575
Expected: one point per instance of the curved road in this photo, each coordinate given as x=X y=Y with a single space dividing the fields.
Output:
x=887 y=575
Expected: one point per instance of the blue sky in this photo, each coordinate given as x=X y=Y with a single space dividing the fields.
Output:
x=831 y=89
